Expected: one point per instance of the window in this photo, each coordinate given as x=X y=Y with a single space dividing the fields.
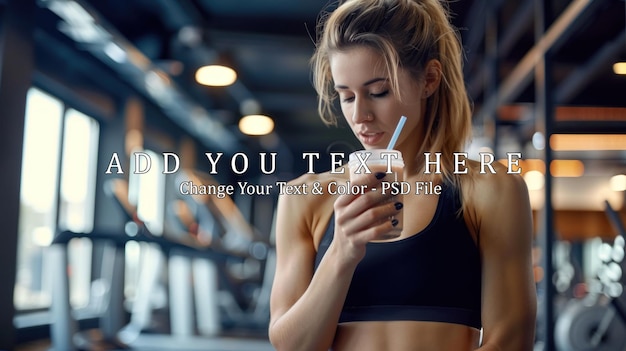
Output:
x=147 y=188
x=38 y=207
x=77 y=198
x=57 y=192
x=78 y=174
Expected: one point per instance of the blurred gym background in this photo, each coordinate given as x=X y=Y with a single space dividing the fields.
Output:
x=92 y=260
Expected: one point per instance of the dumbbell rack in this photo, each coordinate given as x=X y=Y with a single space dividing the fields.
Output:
x=597 y=321
x=610 y=273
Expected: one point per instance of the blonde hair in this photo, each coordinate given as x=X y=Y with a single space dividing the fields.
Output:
x=407 y=34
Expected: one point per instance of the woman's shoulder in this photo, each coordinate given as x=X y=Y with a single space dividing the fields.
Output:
x=495 y=177
x=495 y=190
x=306 y=198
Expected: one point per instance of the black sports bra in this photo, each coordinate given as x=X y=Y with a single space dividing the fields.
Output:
x=434 y=275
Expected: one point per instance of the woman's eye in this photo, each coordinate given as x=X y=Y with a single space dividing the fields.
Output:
x=348 y=99
x=381 y=94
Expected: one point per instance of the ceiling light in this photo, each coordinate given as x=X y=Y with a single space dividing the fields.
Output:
x=256 y=125
x=619 y=68
x=558 y=168
x=216 y=75
x=587 y=142
x=567 y=168
x=534 y=180
x=618 y=182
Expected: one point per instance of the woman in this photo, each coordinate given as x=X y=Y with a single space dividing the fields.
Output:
x=459 y=277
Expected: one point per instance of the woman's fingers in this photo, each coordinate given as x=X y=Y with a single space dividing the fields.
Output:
x=374 y=221
x=360 y=218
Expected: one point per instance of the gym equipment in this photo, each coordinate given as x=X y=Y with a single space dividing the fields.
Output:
x=220 y=222
x=221 y=219
x=598 y=321
x=184 y=259
x=587 y=326
x=568 y=278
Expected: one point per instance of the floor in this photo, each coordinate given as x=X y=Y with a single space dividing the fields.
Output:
x=156 y=342
x=34 y=346
x=97 y=344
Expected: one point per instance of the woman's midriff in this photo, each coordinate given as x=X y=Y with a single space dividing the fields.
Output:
x=405 y=336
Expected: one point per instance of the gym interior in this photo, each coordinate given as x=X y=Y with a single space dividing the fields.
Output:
x=119 y=230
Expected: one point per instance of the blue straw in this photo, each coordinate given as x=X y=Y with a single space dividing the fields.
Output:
x=396 y=133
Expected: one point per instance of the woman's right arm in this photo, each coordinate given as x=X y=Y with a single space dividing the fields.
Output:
x=305 y=307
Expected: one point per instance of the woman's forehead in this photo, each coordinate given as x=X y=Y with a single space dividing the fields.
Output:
x=357 y=61
x=359 y=64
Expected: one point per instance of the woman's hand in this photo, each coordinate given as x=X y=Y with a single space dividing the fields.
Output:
x=362 y=218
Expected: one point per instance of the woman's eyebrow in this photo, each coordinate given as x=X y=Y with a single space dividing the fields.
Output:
x=369 y=82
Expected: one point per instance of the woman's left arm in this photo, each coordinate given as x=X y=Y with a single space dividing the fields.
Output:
x=503 y=212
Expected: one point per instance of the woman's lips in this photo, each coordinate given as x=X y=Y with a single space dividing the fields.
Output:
x=371 y=138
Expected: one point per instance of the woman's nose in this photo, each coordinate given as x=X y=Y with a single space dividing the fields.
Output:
x=361 y=112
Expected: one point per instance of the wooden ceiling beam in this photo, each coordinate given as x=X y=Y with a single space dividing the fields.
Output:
x=524 y=112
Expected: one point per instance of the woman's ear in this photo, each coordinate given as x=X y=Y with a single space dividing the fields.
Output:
x=432 y=77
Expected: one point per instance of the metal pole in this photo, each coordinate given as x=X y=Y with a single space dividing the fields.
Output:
x=552 y=38
x=544 y=116
x=490 y=123
x=16 y=69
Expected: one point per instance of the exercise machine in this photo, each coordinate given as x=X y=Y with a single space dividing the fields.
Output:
x=193 y=272
x=598 y=321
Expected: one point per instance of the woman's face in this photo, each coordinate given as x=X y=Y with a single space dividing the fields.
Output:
x=368 y=103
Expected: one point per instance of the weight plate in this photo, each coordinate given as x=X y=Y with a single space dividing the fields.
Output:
x=578 y=323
